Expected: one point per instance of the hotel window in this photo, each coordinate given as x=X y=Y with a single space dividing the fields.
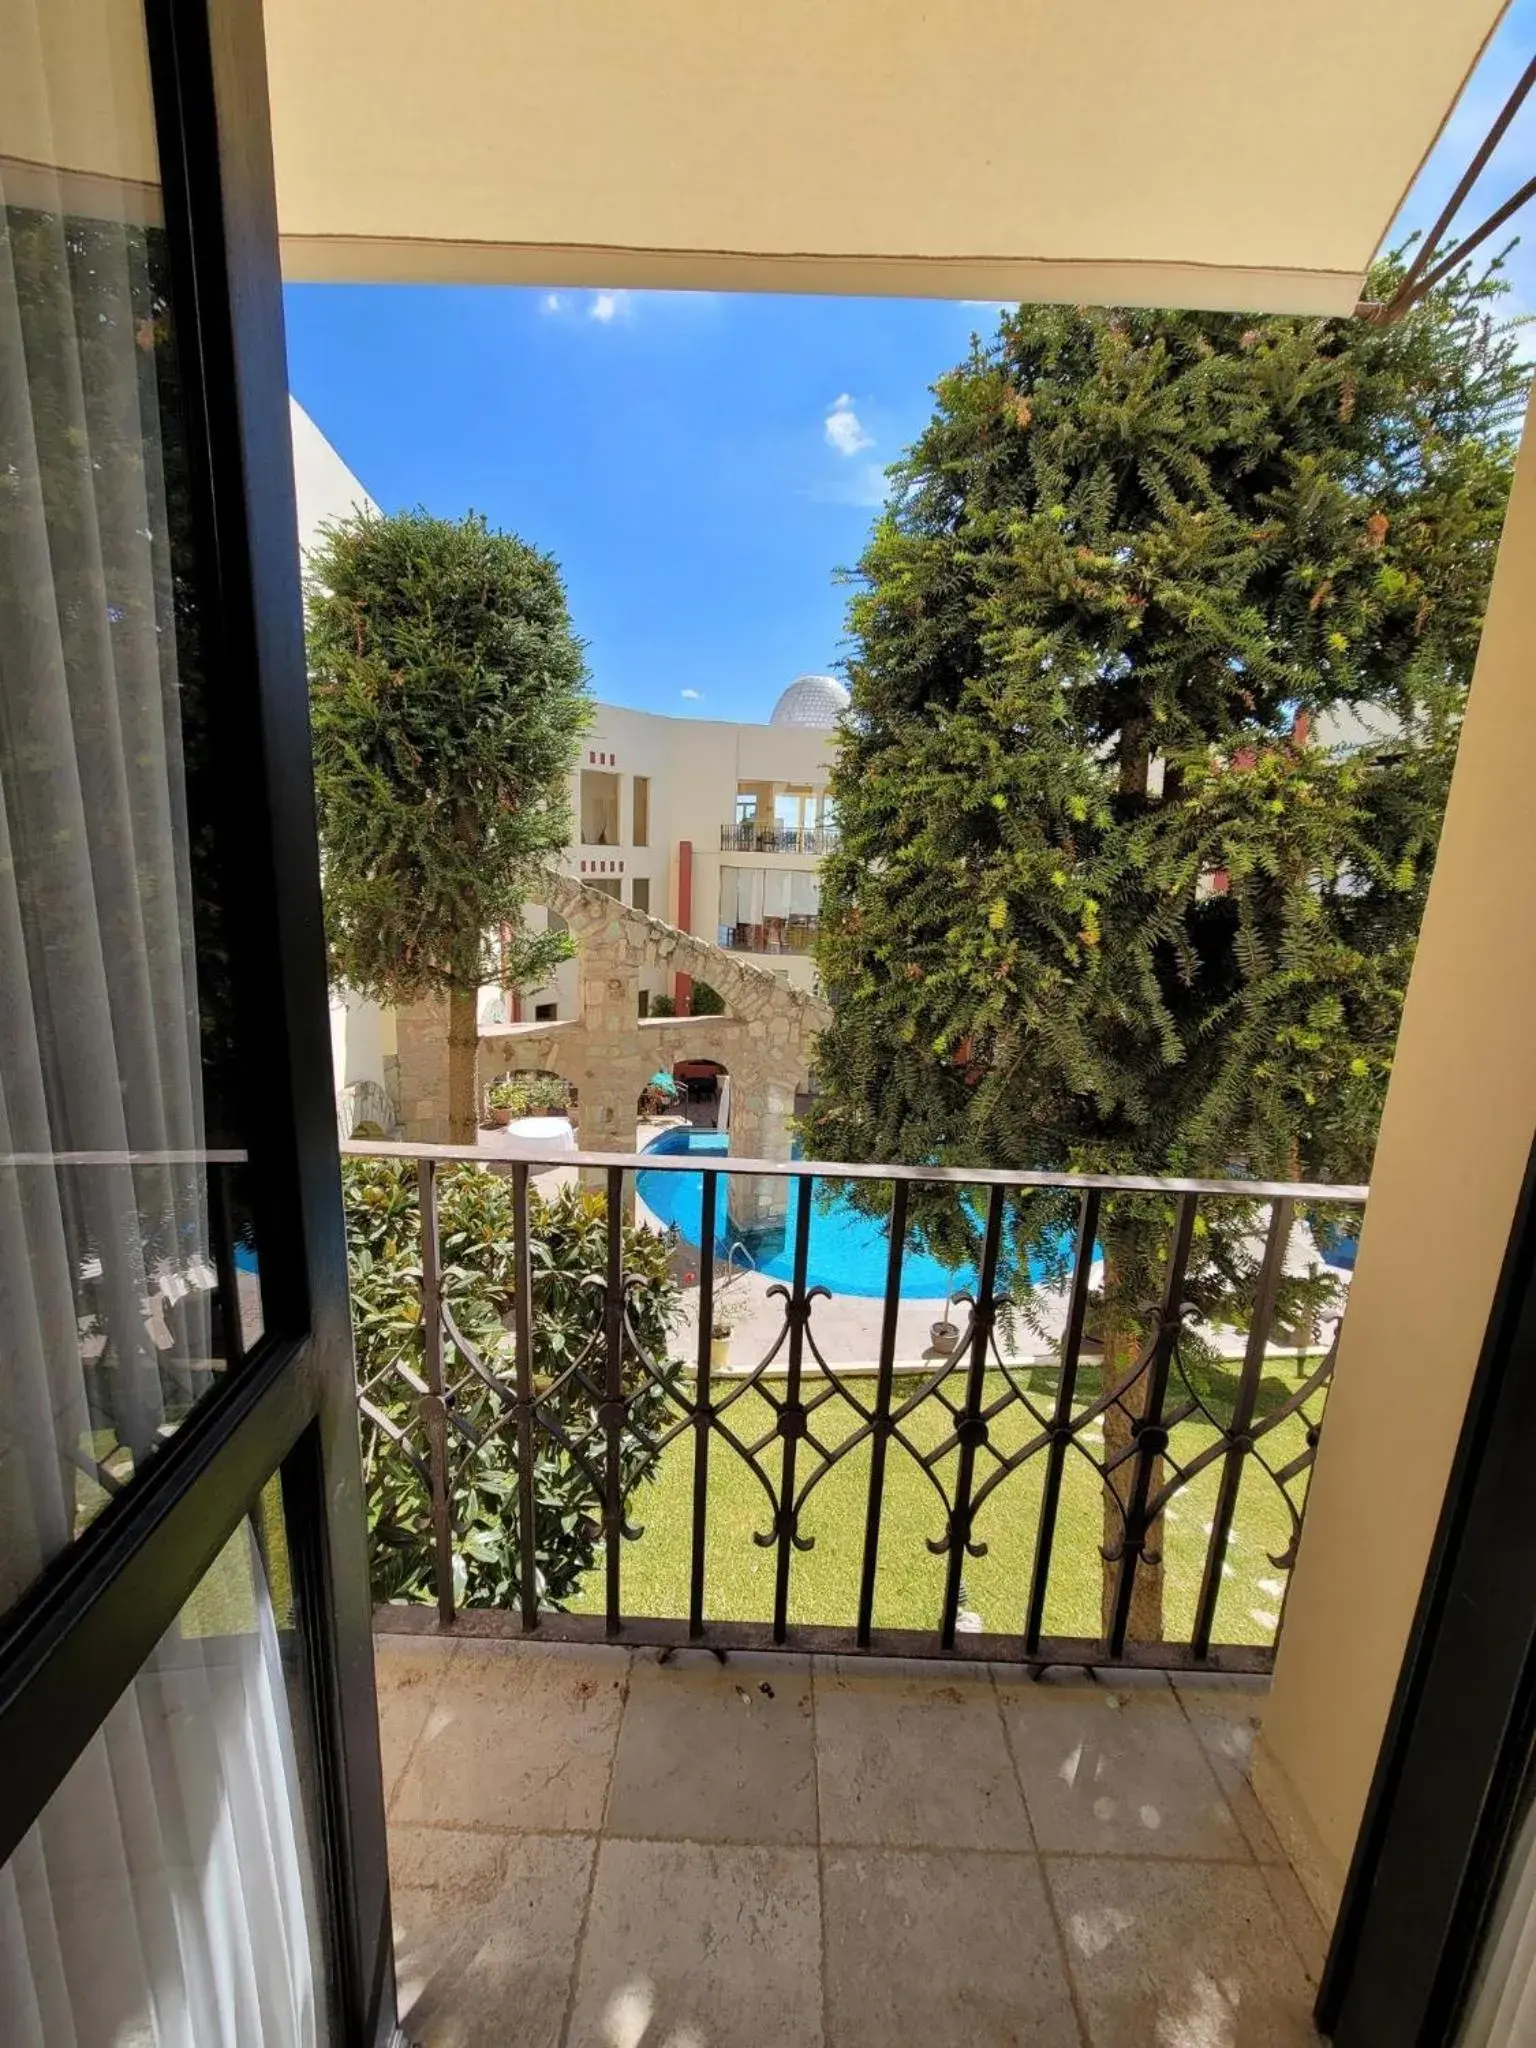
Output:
x=640 y=892
x=641 y=834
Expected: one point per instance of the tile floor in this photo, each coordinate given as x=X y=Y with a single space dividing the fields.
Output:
x=591 y=1849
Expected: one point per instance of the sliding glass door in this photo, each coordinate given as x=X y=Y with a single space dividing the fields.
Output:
x=191 y=1831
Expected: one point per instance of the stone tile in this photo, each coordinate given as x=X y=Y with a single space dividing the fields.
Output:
x=1110 y=1772
x=943 y=1947
x=407 y=1674
x=519 y=1736
x=717 y=1752
x=912 y=1754
x=692 y=1943
x=1308 y=1935
x=1225 y=1712
x=485 y=1934
x=1183 y=1955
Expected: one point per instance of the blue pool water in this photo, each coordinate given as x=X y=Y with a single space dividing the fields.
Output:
x=848 y=1250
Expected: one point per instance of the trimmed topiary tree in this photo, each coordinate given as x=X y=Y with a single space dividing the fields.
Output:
x=448 y=696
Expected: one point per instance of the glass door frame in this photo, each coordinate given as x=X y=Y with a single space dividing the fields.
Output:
x=75 y=1641
x=1454 y=1773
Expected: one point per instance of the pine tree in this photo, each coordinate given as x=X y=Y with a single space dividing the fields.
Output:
x=1099 y=904
x=448 y=694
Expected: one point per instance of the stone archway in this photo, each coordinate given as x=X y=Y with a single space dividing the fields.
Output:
x=765 y=1038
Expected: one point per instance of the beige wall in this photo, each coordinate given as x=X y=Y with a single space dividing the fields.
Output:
x=1204 y=154
x=1458 y=1125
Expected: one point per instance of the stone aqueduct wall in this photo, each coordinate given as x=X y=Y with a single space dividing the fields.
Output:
x=764 y=1040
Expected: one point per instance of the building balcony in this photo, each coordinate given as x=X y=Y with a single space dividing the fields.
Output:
x=747 y=836
x=773 y=935
x=851 y=1728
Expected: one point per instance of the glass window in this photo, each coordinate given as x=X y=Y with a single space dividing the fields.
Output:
x=129 y=1259
x=641 y=833
x=166 y=1894
x=640 y=892
x=599 y=807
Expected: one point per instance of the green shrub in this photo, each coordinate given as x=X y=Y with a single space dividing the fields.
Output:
x=568 y=1254
x=707 y=1001
x=663 y=1006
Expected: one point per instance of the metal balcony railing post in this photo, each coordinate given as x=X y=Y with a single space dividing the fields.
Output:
x=1148 y=1429
x=881 y=1427
x=1061 y=1419
x=703 y=1406
x=972 y=1427
x=614 y=1411
x=434 y=1414
x=523 y=1413
x=792 y=1420
x=1239 y=1442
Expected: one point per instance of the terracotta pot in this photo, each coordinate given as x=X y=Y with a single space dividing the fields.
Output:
x=497 y=1119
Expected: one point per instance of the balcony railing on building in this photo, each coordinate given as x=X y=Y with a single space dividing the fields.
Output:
x=1180 y=1460
x=773 y=935
x=747 y=836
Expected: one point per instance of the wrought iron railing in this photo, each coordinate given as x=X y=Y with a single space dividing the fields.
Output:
x=775 y=935
x=820 y=1412
x=746 y=836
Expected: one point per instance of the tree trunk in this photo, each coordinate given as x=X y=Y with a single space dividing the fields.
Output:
x=1123 y=1343
x=463 y=1046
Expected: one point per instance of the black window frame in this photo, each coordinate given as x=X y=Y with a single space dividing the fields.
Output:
x=76 y=1639
x=1454 y=1775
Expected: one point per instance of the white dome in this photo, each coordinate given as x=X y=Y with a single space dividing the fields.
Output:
x=818 y=701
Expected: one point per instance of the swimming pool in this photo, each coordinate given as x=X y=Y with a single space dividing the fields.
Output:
x=848 y=1250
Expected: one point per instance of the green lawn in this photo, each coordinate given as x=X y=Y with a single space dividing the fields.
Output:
x=824 y=1583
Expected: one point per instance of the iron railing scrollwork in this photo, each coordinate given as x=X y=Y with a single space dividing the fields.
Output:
x=747 y=836
x=970 y=1421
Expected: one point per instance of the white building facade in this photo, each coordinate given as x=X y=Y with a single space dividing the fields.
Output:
x=717 y=828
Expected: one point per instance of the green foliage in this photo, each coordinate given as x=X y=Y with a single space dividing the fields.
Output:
x=662 y=1006
x=1096 y=904
x=568 y=1254
x=530 y=1095
x=448 y=695
x=707 y=1001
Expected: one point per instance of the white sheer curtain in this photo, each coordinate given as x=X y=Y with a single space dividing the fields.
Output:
x=160 y=1899
x=1503 y=2010
x=104 y=1269
x=163 y=1897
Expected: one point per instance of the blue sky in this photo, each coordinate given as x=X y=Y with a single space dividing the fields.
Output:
x=700 y=464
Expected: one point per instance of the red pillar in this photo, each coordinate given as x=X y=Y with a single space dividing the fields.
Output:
x=682 y=985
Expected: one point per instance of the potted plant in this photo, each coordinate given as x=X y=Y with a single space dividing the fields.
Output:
x=520 y=1095
x=727 y=1304
x=944 y=1335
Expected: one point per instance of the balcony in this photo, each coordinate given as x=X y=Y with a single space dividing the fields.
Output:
x=773 y=935
x=746 y=836
x=854 y=1719
x=597 y=1846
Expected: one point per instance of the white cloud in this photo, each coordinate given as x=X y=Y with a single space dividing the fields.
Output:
x=694 y=696
x=608 y=306
x=551 y=303
x=844 y=429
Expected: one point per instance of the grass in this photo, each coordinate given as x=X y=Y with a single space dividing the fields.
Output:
x=824 y=1582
